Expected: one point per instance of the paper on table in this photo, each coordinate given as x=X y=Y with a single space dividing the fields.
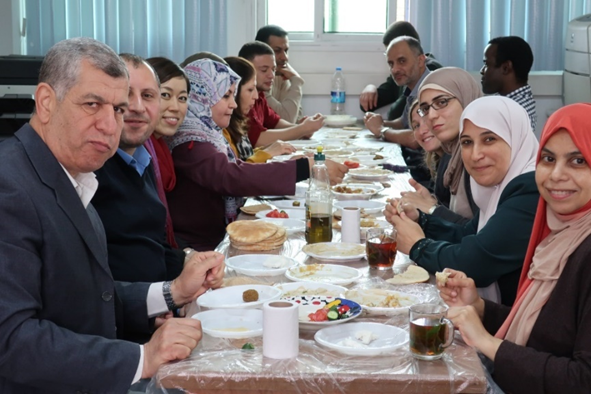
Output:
x=280 y=329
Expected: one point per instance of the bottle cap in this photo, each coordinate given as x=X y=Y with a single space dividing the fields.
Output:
x=339 y=69
x=319 y=155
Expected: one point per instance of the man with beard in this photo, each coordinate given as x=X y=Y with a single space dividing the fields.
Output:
x=127 y=199
x=407 y=65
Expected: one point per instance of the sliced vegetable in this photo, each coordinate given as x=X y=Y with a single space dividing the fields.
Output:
x=248 y=346
x=332 y=314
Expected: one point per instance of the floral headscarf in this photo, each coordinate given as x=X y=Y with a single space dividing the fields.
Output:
x=210 y=81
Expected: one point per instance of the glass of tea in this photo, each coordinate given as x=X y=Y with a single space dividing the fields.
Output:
x=430 y=331
x=380 y=247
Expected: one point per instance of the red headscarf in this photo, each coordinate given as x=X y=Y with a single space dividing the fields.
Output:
x=576 y=121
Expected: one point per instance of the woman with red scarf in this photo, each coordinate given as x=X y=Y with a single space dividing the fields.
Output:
x=543 y=344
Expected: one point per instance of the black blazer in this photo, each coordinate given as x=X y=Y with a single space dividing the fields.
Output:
x=59 y=307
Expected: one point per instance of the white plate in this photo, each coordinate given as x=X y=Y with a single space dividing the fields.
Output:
x=292 y=289
x=339 y=120
x=231 y=297
x=303 y=143
x=260 y=264
x=368 y=160
x=327 y=273
x=389 y=339
x=335 y=251
x=292 y=213
x=231 y=323
x=336 y=134
x=378 y=224
x=290 y=225
x=366 y=205
x=310 y=304
x=367 y=191
x=288 y=204
x=369 y=173
x=369 y=298
x=325 y=147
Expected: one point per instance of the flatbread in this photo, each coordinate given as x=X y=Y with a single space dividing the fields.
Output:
x=441 y=278
x=251 y=231
x=254 y=209
x=413 y=274
x=352 y=128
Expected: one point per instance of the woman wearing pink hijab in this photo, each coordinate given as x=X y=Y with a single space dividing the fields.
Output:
x=542 y=344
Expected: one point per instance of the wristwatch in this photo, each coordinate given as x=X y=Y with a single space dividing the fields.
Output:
x=383 y=133
x=168 y=296
x=432 y=209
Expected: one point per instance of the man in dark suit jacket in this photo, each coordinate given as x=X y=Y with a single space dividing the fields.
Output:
x=127 y=200
x=60 y=311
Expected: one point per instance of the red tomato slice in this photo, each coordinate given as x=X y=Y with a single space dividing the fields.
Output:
x=273 y=214
x=319 y=315
x=283 y=215
x=351 y=164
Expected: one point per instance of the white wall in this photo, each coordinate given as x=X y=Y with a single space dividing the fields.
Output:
x=362 y=64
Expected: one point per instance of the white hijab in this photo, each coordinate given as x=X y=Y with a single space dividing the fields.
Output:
x=510 y=121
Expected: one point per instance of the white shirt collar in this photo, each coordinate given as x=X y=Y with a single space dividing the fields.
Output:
x=85 y=184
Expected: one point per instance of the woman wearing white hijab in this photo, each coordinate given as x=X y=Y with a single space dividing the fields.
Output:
x=542 y=344
x=498 y=151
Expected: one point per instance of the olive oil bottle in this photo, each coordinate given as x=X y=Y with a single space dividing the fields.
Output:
x=319 y=203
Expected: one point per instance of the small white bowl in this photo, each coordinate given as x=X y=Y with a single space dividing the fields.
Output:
x=367 y=206
x=231 y=323
x=260 y=264
x=231 y=297
x=339 y=120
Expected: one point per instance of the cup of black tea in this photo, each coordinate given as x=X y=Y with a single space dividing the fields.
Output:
x=380 y=247
x=430 y=331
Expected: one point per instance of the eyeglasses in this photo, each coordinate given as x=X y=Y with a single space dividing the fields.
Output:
x=438 y=103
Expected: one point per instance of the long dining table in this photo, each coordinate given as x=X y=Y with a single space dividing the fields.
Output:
x=219 y=365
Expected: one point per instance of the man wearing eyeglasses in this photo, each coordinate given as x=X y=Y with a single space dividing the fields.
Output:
x=406 y=59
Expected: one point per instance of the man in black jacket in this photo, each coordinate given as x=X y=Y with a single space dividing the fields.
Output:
x=389 y=92
x=127 y=200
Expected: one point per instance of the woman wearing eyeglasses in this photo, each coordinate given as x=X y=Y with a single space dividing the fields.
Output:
x=443 y=95
x=498 y=150
x=436 y=160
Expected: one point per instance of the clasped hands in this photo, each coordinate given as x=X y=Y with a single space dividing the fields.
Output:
x=403 y=214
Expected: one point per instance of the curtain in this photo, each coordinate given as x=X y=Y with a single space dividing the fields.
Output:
x=457 y=31
x=171 y=28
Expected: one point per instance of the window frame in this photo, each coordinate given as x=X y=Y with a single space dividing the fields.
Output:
x=319 y=40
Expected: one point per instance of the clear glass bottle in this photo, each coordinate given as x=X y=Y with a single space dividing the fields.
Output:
x=337 y=93
x=319 y=203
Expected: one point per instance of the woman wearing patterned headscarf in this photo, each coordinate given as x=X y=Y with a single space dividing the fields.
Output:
x=542 y=344
x=498 y=150
x=211 y=182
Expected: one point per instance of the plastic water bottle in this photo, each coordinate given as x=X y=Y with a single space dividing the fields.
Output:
x=319 y=203
x=337 y=93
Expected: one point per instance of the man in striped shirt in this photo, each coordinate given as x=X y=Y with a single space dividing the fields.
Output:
x=507 y=62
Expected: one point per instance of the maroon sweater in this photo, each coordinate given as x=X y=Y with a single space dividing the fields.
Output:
x=557 y=358
x=205 y=175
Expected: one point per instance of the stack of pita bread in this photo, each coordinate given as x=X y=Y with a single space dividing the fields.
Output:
x=256 y=235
